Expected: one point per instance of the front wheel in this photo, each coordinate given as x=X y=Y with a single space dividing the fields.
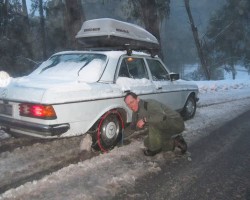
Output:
x=109 y=131
x=189 y=109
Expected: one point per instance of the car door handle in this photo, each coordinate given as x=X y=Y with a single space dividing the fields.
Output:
x=159 y=88
x=126 y=91
x=109 y=90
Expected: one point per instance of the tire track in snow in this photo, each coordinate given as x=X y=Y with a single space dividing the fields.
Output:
x=27 y=163
x=11 y=143
x=220 y=102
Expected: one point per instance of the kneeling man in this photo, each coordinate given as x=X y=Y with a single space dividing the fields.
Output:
x=164 y=124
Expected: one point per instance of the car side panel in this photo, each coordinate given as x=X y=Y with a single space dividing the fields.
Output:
x=92 y=111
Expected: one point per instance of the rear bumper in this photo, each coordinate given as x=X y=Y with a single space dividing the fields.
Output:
x=32 y=129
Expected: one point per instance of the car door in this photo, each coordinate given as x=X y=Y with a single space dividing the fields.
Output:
x=168 y=92
x=133 y=76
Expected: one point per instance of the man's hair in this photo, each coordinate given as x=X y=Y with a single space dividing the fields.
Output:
x=130 y=94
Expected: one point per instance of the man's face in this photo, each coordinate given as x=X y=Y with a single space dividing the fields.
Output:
x=132 y=103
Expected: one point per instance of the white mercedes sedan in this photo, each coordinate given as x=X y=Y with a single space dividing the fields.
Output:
x=76 y=92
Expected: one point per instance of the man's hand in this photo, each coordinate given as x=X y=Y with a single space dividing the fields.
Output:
x=140 y=123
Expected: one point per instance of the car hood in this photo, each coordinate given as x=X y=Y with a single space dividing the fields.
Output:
x=46 y=91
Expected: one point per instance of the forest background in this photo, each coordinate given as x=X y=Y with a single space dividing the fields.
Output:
x=32 y=30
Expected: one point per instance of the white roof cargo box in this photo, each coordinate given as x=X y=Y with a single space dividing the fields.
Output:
x=114 y=34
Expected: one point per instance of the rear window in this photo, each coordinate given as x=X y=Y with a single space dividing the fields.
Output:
x=83 y=67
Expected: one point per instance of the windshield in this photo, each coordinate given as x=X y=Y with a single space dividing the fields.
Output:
x=78 y=66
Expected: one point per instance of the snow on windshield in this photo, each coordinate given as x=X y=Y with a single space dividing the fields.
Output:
x=83 y=67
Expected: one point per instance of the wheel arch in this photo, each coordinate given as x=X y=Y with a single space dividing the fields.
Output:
x=193 y=94
x=122 y=111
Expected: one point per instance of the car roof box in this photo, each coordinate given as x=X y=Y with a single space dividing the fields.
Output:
x=106 y=33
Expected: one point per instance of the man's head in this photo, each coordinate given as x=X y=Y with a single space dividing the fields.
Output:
x=132 y=101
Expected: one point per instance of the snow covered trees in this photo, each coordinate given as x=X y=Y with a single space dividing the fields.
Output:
x=229 y=36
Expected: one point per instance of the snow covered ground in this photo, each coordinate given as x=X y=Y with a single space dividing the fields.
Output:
x=103 y=176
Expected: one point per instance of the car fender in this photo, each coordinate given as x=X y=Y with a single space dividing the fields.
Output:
x=122 y=109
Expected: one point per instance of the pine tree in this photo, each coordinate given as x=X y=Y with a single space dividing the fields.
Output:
x=228 y=35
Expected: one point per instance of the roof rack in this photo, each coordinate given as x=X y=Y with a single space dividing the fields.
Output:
x=111 y=34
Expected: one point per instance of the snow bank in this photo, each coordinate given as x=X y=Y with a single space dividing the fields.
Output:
x=222 y=85
x=4 y=79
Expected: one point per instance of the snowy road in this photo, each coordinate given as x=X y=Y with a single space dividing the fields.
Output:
x=219 y=169
x=104 y=176
x=34 y=160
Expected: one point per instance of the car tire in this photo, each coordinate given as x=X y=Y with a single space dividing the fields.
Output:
x=189 y=108
x=109 y=132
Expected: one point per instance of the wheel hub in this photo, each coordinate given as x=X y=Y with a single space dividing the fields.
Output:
x=111 y=130
x=190 y=107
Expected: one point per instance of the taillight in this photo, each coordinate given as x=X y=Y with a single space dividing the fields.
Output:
x=37 y=111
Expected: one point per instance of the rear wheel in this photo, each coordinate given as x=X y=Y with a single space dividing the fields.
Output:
x=109 y=131
x=189 y=109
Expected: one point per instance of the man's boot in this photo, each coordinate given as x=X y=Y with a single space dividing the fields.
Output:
x=180 y=143
x=147 y=152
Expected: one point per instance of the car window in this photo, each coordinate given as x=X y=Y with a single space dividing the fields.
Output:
x=87 y=67
x=133 y=68
x=157 y=70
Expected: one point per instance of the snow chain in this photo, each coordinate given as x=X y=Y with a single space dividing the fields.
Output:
x=103 y=149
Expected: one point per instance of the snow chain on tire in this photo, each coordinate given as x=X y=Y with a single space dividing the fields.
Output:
x=99 y=142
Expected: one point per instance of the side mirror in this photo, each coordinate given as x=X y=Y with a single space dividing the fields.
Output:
x=174 y=76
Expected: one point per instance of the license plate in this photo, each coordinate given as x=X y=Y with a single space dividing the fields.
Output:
x=6 y=109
